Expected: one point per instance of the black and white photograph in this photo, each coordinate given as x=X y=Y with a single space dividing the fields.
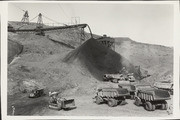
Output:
x=65 y=60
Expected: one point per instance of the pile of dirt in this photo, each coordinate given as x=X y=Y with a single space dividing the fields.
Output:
x=100 y=60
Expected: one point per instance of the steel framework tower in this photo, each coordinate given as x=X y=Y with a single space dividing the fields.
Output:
x=40 y=21
x=25 y=18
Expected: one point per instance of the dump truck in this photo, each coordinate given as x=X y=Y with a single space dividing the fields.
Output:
x=131 y=89
x=58 y=103
x=111 y=96
x=152 y=98
x=36 y=93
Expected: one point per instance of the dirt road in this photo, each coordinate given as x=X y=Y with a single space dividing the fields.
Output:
x=85 y=107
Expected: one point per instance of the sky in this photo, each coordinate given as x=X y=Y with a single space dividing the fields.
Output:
x=146 y=23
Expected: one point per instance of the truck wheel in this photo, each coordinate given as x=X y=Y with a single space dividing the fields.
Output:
x=99 y=100
x=132 y=97
x=123 y=102
x=59 y=105
x=164 y=106
x=153 y=107
x=112 y=102
x=148 y=106
x=116 y=103
x=137 y=101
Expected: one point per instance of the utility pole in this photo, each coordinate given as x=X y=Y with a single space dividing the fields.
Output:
x=25 y=18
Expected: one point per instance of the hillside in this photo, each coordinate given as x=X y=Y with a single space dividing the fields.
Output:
x=157 y=59
x=75 y=72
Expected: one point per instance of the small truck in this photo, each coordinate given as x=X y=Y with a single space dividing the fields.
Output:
x=111 y=96
x=152 y=98
x=37 y=93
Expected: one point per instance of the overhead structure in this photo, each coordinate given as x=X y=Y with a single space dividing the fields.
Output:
x=39 y=26
x=25 y=18
x=40 y=21
x=107 y=42
x=82 y=35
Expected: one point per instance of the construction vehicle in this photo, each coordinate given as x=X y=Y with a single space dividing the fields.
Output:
x=130 y=77
x=37 y=93
x=111 y=96
x=113 y=77
x=131 y=89
x=59 y=103
x=152 y=98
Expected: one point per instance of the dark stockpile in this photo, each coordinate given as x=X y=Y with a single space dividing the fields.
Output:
x=100 y=60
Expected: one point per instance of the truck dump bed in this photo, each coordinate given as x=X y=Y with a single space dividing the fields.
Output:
x=154 y=94
x=129 y=87
x=113 y=92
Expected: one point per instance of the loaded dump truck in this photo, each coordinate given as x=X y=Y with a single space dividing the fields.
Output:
x=111 y=96
x=152 y=98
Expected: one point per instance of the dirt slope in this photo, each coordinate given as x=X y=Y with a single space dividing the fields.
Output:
x=100 y=60
x=14 y=49
x=157 y=59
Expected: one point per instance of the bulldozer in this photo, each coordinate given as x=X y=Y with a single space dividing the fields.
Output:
x=115 y=78
x=122 y=75
x=59 y=103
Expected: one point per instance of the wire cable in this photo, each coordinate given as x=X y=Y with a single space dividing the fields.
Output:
x=19 y=8
x=54 y=20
